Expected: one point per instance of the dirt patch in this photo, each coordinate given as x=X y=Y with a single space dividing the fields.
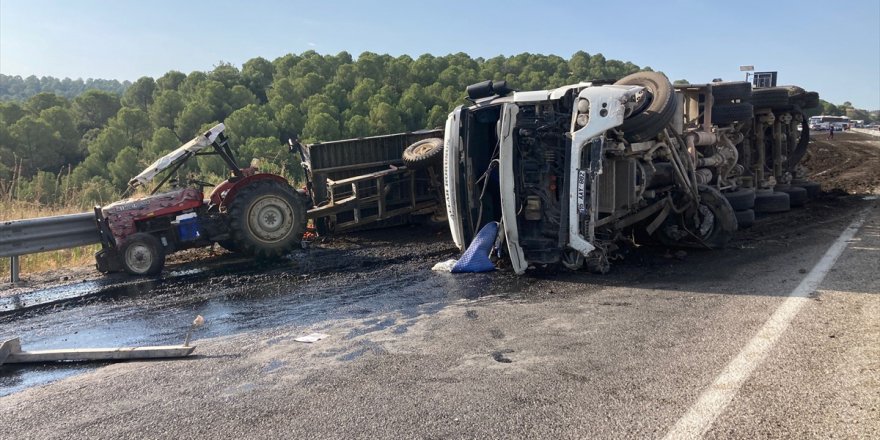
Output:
x=849 y=164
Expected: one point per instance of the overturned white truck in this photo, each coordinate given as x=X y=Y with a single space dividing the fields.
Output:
x=571 y=171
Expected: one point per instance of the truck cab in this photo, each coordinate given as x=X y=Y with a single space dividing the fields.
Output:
x=567 y=171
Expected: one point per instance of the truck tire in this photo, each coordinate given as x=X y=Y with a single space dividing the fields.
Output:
x=730 y=113
x=740 y=199
x=814 y=189
x=424 y=153
x=797 y=196
x=267 y=219
x=811 y=100
x=745 y=218
x=142 y=254
x=770 y=202
x=656 y=113
x=773 y=97
x=731 y=92
x=713 y=231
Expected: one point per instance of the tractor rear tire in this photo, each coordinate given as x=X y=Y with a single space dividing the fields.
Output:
x=423 y=154
x=655 y=114
x=142 y=254
x=267 y=219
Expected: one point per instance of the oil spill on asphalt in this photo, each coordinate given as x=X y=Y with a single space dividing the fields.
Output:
x=245 y=298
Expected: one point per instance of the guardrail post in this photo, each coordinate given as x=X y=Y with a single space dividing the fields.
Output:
x=13 y=268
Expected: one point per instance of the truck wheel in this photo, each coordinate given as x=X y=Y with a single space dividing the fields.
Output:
x=656 y=110
x=773 y=97
x=731 y=92
x=267 y=219
x=142 y=254
x=769 y=202
x=424 y=153
x=811 y=100
x=797 y=196
x=814 y=189
x=741 y=199
x=711 y=224
x=730 y=113
x=745 y=218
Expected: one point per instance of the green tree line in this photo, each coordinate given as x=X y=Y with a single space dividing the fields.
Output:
x=16 y=88
x=60 y=146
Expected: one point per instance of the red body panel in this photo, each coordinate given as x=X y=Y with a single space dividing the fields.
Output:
x=224 y=193
x=122 y=216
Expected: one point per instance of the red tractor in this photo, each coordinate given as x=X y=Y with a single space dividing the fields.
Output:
x=255 y=213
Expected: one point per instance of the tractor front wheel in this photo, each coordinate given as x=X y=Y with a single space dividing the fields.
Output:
x=142 y=254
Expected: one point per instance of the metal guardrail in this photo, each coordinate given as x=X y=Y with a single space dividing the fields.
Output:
x=30 y=236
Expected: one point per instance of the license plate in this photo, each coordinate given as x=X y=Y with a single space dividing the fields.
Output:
x=581 y=192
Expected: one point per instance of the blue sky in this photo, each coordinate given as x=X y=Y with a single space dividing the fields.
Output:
x=829 y=46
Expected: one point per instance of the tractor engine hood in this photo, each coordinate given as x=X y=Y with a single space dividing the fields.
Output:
x=181 y=154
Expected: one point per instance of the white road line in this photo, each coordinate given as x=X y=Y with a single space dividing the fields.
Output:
x=715 y=398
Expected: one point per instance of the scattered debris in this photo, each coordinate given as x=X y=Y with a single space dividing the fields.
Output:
x=11 y=353
x=198 y=322
x=310 y=338
x=445 y=266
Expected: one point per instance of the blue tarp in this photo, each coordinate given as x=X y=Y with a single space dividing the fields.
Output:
x=476 y=257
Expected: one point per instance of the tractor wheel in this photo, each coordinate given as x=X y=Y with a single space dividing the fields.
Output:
x=656 y=109
x=142 y=254
x=423 y=154
x=267 y=219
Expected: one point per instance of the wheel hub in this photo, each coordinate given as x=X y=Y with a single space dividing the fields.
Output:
x=139 y=258
x=270 y=219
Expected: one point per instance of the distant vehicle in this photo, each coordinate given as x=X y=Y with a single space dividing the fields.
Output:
x=826 y=122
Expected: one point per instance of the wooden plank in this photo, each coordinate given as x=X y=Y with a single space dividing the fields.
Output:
x=99 y=354
x=8 y=347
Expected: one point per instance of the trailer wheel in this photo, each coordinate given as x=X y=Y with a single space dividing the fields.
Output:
x=741 y=199
x=731 y=91
x=773 y=97
x=745 y=218
x=656 y=110
x=814 y=189
x=811 y=100
x=797 y=196
x=142 y=254
x=267 y=219
x=730 y=113
x=770 y=202
x=423 y=153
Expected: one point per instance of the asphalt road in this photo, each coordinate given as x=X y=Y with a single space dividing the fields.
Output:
x=713 y=342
